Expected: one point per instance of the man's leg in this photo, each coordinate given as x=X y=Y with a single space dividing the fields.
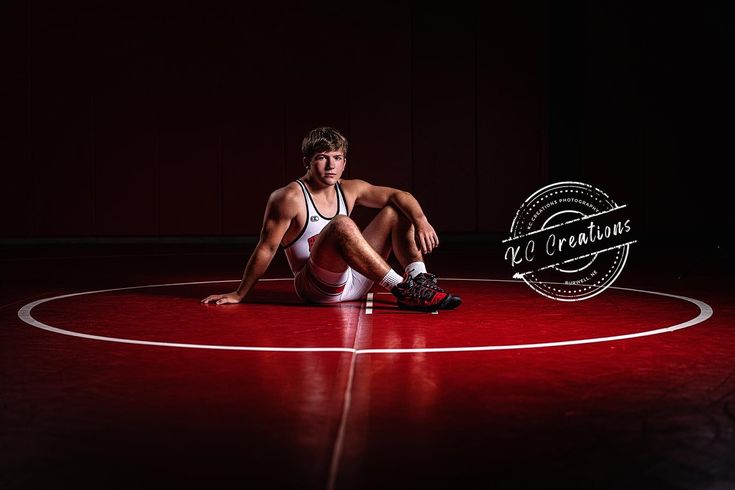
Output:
x=341 y=245
x=392 y=230
x=419 y=290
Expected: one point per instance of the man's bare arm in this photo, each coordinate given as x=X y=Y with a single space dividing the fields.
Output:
x=374 y=196
x=277 y=219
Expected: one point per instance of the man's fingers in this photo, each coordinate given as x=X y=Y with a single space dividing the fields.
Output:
x=221 y=299
x=432 y=241
x=427 y=244
x=426 y=241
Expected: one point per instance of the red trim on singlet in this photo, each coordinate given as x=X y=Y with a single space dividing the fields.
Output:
x=323 y=286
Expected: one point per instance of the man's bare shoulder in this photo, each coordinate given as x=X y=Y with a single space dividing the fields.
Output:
x=290 y=191
x=287 y=199
x=353 y=184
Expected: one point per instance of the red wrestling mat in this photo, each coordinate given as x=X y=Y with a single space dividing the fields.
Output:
x=496 y=315
x=254 y=400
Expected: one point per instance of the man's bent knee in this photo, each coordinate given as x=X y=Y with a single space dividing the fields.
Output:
x=391 y=213
x=341 y=224
x=327 y=250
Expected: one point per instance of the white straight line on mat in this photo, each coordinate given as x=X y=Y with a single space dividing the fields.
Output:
x=369 y=304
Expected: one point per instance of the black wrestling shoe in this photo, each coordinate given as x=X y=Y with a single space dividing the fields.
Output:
x=421 y=293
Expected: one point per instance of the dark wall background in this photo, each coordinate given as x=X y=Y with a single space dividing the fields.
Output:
x=178 y=119
x=642 y=106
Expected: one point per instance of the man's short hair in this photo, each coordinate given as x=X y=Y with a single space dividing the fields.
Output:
x=322 y=140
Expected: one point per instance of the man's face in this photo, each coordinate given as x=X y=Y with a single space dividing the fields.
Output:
x=327 y=167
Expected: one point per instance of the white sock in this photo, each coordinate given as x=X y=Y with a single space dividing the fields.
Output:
x=391 y=279
x=415 y=268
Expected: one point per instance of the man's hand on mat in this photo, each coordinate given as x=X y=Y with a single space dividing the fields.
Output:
x=222 y=299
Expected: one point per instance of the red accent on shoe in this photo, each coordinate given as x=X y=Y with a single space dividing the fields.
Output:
x=422 y=293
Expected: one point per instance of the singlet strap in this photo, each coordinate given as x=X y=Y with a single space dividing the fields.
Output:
x=341 y=194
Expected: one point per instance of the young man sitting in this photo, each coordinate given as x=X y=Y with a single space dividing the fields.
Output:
x=331 y=259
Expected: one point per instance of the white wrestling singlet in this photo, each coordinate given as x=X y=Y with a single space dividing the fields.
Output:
x=312 y=282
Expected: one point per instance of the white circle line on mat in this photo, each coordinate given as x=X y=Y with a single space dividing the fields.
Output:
x=705 y=312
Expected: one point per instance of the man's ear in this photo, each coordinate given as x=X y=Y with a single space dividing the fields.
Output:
x=307 y=163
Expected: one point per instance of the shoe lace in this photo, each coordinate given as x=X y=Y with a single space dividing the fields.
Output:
x=423 y=286
x=428 y=280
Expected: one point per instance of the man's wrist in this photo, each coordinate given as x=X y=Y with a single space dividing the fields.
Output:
x=421 y=220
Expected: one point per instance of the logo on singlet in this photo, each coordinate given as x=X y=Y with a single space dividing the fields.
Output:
x=314 y=218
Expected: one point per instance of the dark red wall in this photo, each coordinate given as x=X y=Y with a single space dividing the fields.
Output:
x=641 y=105
x=181 y=119
x=171 y=119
